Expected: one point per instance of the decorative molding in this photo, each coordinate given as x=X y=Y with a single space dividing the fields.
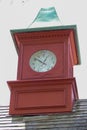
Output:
x=42 y=35
x=36 y=98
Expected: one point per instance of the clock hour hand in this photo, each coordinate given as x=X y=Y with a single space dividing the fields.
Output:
x=39 y=61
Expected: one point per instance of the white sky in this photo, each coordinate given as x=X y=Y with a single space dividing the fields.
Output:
x=18 y=14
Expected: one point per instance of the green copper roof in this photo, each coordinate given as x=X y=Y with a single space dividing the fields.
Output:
x=46 y=15
x=74 y=27
x=47 y=19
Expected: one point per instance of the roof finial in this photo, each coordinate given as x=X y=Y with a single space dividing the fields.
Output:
x=46 y=17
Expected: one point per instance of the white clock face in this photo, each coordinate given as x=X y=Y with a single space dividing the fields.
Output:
x=42 y=61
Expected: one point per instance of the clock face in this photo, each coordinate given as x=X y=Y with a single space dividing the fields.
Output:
x=42 y=61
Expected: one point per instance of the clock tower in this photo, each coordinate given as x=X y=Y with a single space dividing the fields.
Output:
x=46 y=56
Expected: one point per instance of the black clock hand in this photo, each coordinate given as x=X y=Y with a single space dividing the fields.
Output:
x=46 y=58
x=39 y=61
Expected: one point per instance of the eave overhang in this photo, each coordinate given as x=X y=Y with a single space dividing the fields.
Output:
x=66 y=27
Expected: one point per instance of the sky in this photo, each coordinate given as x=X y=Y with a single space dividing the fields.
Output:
x=19 y=14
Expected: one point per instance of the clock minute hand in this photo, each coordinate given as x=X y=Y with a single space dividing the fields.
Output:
x=40 y=61
x=46 y=58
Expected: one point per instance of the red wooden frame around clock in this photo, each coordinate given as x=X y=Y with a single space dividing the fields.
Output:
x=25 y=70
x=58 y=41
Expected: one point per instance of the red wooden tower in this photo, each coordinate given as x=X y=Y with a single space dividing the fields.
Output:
x=46 y=56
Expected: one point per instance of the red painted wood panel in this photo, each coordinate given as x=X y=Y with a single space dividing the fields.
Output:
x=61 y=42
x=44 y=96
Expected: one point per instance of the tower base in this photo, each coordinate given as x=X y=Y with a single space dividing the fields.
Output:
x=43 y=96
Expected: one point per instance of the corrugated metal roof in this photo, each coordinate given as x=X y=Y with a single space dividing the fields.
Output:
x=76 y=120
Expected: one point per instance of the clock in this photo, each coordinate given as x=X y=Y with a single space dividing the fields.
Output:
x=42 y=61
